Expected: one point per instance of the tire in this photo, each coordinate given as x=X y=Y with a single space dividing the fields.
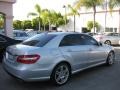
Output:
x=108 y=42
x=61 y=74
x=110 y=59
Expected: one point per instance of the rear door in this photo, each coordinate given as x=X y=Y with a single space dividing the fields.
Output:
x=73 y=49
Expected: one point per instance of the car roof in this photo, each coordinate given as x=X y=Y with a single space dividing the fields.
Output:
x=62 y=33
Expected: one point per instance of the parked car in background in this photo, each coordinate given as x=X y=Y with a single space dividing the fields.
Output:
x=55 y=56
x=91 y=34
x=32 y=33
x=2 y=32
x=108 y=38
x=20 y=35
x=4 y=43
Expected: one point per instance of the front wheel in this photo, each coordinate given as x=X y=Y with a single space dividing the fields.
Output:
x=61 y=74
x=110 y=58
x=108 y=42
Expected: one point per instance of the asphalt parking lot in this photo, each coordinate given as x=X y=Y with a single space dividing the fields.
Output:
x=97 y=78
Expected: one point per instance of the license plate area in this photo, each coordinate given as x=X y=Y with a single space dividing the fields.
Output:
x=10 y=57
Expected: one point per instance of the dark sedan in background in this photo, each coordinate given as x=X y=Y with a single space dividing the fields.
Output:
x=5 y=42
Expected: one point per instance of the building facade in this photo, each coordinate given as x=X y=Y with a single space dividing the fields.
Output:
x=6 y=8
x=108 y=21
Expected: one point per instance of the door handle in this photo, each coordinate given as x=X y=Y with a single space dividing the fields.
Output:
x=90 y=49
x=69 y=50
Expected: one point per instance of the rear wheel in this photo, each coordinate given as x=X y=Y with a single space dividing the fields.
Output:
x=108 y=42
x=61 y=74
x=110 y=58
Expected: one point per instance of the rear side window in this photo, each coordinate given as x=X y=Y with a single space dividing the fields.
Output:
x=39 y=40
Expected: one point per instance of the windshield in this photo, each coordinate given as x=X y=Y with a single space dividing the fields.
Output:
x=20 y=34
x=39 y=40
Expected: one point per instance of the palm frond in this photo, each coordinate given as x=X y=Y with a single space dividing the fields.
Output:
x=38 y=8
x=69 y=14
x=112 y=4
x=87 y=3
x=73 y=10
x=32 y=14
x=77 y=5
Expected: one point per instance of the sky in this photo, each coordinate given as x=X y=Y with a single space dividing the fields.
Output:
x=22 y=7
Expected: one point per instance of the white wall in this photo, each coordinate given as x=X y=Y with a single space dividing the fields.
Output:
x=112 y=21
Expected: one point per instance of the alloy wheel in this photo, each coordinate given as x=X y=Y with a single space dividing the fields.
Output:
x=61 y=74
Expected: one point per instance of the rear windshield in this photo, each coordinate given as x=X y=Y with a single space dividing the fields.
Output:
x=112 y=34
x=39 y=40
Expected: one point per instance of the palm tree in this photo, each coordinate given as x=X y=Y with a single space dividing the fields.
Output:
x=112 y=4
x=46 y=17
x=73 y=13
x=37 y=13
x=43 y=17
x=89 y=4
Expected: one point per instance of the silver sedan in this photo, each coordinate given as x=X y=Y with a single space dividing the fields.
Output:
x=108 y=38
x=55 y=56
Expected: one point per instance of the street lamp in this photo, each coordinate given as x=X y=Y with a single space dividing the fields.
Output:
x=65 y=16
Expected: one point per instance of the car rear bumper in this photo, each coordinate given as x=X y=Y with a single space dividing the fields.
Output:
x=26 y=75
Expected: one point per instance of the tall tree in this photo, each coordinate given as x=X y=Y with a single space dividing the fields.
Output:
x=113 y=3
x=50 y=17
x=35 y=24
x=60 y=20
x=73 y=12
x=37 y=14
x=89 y=4
x=46 y=18
x=17 y=24
x=27 y=24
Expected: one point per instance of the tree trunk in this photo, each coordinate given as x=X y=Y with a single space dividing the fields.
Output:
x=94 y=13
x=44 y=27
x=39 y=25
x=105 y=20
x=74 y=23
x=49 y=25
x=105 y=15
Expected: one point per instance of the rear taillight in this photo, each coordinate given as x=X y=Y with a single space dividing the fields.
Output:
x=28 y=59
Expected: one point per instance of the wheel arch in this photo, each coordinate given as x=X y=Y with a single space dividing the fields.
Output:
x=108 y=40
x=65 y=62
